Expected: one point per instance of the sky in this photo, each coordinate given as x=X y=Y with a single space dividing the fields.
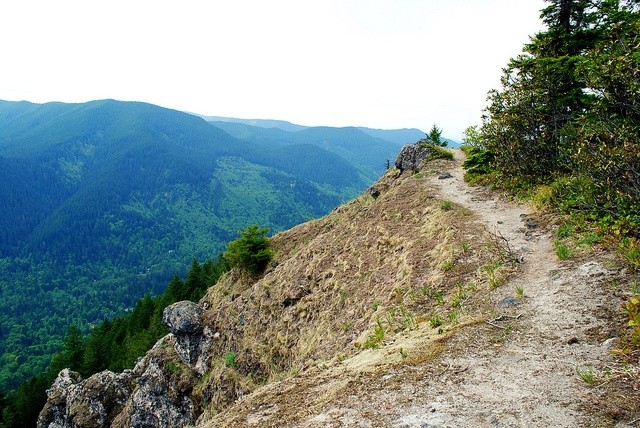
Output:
x=378 y=63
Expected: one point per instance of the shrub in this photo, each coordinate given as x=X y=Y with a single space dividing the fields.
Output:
x=375 y=340
x=563 y=251
x=446 y=205
x=478 y=160
x=441 y=153
x=251 y=252
x=435 y=321
x=632 y=308
x=435 y=151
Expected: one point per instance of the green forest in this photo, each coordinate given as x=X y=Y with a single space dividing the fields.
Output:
x=104 y=202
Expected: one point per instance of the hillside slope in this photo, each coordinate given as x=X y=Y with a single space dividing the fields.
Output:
x=368 y=152
x=105 y=201
x=505 y=361
x=399 y=310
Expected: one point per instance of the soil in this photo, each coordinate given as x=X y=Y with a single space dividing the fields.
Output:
x=541 y=356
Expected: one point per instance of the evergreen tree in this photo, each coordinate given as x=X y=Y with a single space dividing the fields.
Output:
x=569 y=107
x=541 y=93
x=434 y=137
x=22 y=407
x=195 y=282
x=97 y=350
x=174 y=292
x=251 y=252
x=72 y=355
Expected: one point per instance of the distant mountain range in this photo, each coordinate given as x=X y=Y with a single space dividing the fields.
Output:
x=397 y=136
x=105 y=201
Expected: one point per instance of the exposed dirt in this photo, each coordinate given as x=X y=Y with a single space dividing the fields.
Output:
x=534 y=351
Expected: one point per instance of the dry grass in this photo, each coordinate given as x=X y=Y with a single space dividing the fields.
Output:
x=369 y=264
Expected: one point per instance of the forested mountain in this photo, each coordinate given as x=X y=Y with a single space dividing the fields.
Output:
x=106 y=201
x=368 y=153
x=397 y=136
x=261 y=123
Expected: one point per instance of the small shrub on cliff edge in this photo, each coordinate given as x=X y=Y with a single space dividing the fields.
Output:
x=251 y=252
x=632 y=308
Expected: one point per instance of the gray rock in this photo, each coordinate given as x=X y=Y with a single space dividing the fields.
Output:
x=94 y=402
x=184 y=320
x=592 y=269
x=411 y=156
x=509 y=301
x=156 y=393
x=158 y=401
x=610 y=343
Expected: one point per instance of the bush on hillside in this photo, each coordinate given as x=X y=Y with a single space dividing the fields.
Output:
x=478 y=160
x=251 y=252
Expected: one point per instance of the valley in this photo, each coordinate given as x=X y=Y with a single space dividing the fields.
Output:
x=104 y=202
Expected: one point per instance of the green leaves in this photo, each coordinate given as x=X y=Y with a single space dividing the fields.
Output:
x=478 y=160
x=251 y=252
x=569 y=108
x=434 y=137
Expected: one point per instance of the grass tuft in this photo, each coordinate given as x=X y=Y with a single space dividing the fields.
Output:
x=230 y=359
x=587 y=375
x=446 y=205
x=563 y=251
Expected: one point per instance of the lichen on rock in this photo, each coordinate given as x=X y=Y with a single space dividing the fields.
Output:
x=184 y=320
x=162 y=394
x=412 y=155
x=93 y=402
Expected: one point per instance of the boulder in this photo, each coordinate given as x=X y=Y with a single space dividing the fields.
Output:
x=184 y=320
x=411 y=156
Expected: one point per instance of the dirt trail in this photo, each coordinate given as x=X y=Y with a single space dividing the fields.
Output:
x=530 y=379
x=519 y=369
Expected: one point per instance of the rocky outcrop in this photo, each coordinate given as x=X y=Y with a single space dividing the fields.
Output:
x=156 y=393
x=412 y=155
x=184 y=320
x=162 y=396
x=94 y=402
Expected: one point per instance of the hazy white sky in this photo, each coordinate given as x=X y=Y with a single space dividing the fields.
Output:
x=376 y=63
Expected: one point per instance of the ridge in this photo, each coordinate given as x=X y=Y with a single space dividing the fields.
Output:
x=396 y=309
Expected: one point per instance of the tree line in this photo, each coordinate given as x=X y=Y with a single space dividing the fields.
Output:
x=116 y=344
x=113 y=344
x=568 y=113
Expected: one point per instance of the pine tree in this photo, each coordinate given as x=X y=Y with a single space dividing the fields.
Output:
x=541 y=93
x=434 y=136
x=250 y=252
x=72 y=354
